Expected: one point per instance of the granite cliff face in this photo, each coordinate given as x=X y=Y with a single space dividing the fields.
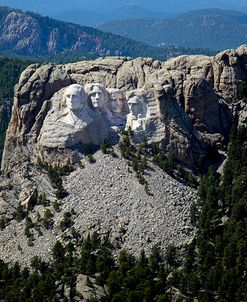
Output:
x=187 y=107
x=192 y=97
x=25 y=34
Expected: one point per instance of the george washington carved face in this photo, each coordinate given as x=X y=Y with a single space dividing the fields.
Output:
x=74 y=98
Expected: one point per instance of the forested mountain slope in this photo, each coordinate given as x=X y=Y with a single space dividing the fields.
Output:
x=213 y=28
x=93 y=18
x=31 y=35
x=211 y=268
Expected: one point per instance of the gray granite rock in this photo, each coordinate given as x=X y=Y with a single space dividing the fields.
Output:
x=107 y=198
x=191 y=100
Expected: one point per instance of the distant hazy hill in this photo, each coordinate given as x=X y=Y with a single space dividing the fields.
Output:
x=92 y=18
x=211 y=28
x=55 y=7
x=29 y=34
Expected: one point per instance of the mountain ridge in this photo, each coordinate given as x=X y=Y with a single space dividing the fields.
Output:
x=174 y=6
x=30 y=34
x=221 y=29
x=92 y=18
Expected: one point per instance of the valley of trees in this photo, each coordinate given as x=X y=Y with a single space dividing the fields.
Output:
x=211 y=268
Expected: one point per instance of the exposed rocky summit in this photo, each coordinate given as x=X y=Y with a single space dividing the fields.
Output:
x=192 y=96
x=25 y=34
x=29 y=34
x=187 y=108
x=21 y=32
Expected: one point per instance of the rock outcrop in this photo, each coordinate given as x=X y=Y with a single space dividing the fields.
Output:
x=71 y=121
x=18 y=25
x=25 y=34
x=192 y=96
x=186 y=105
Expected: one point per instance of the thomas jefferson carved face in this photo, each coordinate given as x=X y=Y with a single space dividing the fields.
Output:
x=97 y=97
x=75 y=97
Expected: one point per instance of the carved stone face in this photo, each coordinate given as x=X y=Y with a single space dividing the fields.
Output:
x=116 y=101
x=97 y=97
x=75 y=97
x=136 y=106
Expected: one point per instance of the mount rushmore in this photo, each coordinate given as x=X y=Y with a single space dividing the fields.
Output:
x=186 y=105
x=88 y=115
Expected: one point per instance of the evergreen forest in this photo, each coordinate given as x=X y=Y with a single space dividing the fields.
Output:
x=222 y=29
x=211 y=268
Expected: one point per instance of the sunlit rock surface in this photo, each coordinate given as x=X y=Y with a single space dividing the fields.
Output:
x=186 y=105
